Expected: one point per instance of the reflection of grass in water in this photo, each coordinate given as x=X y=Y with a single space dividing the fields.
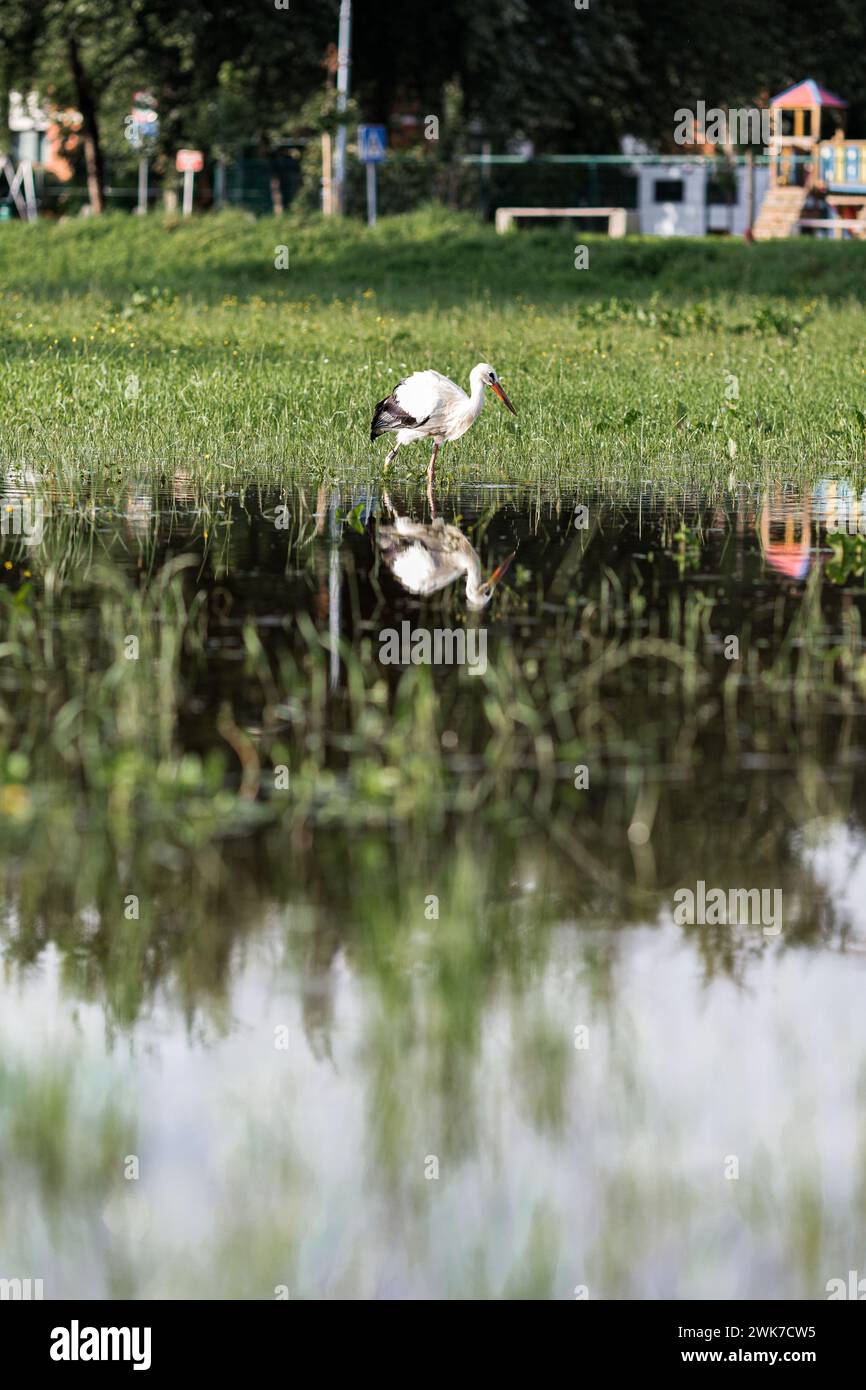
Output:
x=94 y=745
x=95 y=749
x=450 y=1041
x=37 y=1121
x=78 y=714
x=542 y=1057
x=63 y=1142
x=533 y=1275
x=263 y=1219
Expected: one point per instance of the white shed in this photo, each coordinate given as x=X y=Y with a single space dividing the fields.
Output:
x=688 y=198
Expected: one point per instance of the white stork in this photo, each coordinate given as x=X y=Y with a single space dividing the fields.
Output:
x=428 y=405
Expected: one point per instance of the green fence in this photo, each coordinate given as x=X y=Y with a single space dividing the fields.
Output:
x=408 y=178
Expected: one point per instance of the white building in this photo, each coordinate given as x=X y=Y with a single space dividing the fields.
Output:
x=28 y=125
x=689 y=198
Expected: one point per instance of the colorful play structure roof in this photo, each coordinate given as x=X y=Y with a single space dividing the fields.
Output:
x=807 y=93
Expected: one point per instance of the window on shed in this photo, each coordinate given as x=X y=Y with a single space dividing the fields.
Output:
x=668 y=191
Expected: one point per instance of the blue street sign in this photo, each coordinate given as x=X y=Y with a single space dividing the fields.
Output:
x=372 y=143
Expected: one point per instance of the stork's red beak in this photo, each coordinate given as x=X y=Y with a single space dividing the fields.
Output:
x=494 y=386
x=500 y=570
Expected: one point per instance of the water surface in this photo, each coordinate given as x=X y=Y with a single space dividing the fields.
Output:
x=403 y=1007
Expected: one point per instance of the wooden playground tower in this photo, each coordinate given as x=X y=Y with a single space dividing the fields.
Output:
x=816 y=183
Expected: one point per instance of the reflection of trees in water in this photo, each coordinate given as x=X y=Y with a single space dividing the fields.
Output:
x=361 y=898
x=430 y=997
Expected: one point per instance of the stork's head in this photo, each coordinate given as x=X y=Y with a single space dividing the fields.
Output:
x=480 y=592
x=489 y=377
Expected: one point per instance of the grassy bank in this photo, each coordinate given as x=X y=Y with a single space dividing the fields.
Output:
x=158 y=343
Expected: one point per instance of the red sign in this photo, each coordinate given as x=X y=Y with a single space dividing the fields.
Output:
x=189 y=160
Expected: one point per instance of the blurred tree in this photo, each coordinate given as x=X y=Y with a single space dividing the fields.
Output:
x=245 y=68
x=63 y=49
x=574 y=79
x=227 y=72
x=221 y=70
x=537 y=69
x=690 y=50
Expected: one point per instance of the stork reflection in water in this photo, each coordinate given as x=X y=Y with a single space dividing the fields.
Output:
x=427 y=557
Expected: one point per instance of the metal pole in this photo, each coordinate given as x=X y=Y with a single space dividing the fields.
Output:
x=335 y=591
x=30 y=192
x=327 y=185
x=371 y=195
x=343 y=64
x=188 y=177
x=484 y=176
x=142 y=186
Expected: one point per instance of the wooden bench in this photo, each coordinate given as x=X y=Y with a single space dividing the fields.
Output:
x=838 y=225
x=615 y=217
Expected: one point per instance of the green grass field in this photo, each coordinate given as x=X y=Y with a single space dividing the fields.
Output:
x=147 y=343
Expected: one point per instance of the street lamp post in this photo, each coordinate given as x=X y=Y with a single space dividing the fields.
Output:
x=343 y=65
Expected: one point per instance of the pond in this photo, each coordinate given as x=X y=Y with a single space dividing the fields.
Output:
x=448 y=895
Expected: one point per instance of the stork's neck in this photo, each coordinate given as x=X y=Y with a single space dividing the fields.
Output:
x=472 y=565
x=476 y=393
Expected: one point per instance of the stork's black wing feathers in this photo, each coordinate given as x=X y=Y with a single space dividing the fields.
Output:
x=390 y=416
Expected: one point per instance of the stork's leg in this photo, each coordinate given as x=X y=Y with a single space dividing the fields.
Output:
x=431 y=469
x=391 y=456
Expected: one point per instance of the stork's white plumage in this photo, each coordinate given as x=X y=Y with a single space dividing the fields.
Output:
x=428 y=405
